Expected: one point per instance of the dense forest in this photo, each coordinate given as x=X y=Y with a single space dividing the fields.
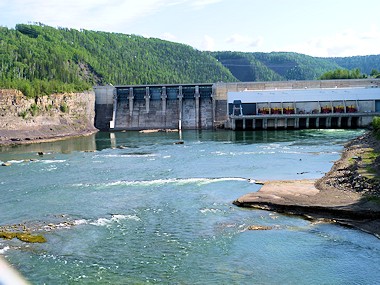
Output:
x=294 y=66
x=38 y=59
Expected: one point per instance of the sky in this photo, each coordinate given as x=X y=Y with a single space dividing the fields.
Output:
x=322 y=28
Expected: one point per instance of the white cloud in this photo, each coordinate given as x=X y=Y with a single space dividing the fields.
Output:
x=345 y=43
x=200 y=4
x=244 y=43
x=208 y=43
x=258 y=42
x=169 y=37
x=108 y=15
x=372 y=33
x=237 y=39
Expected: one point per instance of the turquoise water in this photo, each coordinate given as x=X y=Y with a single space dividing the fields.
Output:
x=132 y=208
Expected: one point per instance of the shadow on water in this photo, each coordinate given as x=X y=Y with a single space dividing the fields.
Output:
x=85 y=143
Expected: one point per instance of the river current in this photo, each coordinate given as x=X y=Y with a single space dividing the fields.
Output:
x=141 y=208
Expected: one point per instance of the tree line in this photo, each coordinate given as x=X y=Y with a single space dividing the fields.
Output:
x=38 y=59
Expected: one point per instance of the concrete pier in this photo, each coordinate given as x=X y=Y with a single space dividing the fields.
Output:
x=304 y=121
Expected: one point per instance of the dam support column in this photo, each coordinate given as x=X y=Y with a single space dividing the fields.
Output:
x=130 y=98
x=147 y=98
x=265 y=124
x=163 y=100
x=197 y=110
x=163 y=105
x=180 y=97
x=213 y=106
x=113 y=122
x=328 y=122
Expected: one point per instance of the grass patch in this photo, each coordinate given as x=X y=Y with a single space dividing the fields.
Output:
x=367 y=164
x=370 y=156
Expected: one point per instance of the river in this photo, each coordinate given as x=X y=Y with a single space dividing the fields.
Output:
x=139 y=208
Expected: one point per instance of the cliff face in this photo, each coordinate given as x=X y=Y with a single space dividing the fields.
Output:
x=47 y=117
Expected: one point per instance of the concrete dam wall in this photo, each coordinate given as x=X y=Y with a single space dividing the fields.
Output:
x=187 y=106
x=210 y=106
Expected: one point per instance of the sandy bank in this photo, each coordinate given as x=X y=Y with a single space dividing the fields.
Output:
x=335 y=197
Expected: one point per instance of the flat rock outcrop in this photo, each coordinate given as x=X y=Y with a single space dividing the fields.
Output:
x=355 y=203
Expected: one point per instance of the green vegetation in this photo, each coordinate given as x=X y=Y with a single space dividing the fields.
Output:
x=246 y=67
x=376 y=127
x=295 y=66
x=40 y=60
x=373 y=198
x=365 y=63
x=367 y=168
x=23 y=236
x=376 y=123
x=375 y=73
x=343 y=74
x=292 y=66
x=32 y=110
x=64 y=108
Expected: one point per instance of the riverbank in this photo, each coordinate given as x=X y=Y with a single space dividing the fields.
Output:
x=45 y=118
x=42 y=134
x=349 y=194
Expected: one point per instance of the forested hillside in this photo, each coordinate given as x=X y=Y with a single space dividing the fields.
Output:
x=365 y=63
x=38 y=59
x=290 y=66
x=246 y=67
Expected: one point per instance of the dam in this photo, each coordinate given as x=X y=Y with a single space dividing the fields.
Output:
x=238 y=106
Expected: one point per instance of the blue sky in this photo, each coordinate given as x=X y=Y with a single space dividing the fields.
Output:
x=313 y=27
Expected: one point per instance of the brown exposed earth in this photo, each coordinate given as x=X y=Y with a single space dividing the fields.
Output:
x=42 y=134
x=349 y=194
x=46 y=118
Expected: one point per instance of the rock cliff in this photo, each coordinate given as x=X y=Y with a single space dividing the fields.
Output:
x=49 y=117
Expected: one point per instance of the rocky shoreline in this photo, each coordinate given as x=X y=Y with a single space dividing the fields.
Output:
x=42 y=135
x=45 y=118
x=358 y=170
x=349 y=194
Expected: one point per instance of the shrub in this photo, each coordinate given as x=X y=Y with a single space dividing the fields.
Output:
x=64 y=108
x=376 y=123
x=34 y=109
x=23 y=114
x=376 y=127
